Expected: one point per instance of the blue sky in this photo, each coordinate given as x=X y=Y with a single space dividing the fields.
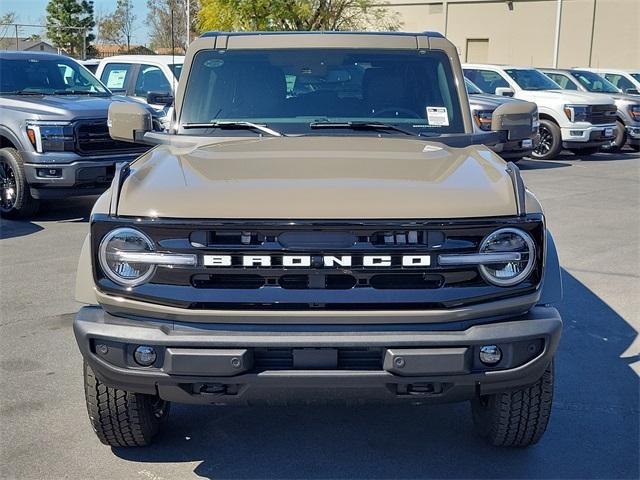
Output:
x=34 y=12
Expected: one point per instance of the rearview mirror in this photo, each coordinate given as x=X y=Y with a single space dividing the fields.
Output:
x=159 y=98
x=128 y=122
x=516 y=119
x=505 y=91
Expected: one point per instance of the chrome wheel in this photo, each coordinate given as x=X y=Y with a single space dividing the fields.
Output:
x=546 y=141
x=8 y=187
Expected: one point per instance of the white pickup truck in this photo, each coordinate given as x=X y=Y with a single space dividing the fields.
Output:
x=576 y=121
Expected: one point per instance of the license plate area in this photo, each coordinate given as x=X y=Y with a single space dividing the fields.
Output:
x=608 y=132
x=315 y=358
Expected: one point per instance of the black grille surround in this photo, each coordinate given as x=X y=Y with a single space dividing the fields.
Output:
x=92 y=138
x=318 y=287
x=602 y=114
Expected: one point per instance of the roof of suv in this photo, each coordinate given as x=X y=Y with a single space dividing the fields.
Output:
x=15 y=55
x=240 y=34
x=162 y=59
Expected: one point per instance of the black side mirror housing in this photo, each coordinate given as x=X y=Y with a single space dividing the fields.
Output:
x=159 y=98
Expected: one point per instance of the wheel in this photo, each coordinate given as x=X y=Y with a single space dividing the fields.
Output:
x=120 y=418
x=583 y=152
x=620 y=139
x=550 y=141
x=516 y=418
x=15 y=197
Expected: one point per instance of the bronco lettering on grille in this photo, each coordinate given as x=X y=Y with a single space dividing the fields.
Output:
x=307 y=261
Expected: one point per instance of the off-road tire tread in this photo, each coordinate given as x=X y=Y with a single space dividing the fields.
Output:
x=25 y=206
x=119 y=418
x=517 y=418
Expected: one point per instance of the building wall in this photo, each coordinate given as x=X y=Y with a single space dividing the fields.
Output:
x=522 y=32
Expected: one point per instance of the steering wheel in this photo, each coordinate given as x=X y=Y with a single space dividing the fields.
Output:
x=395 y=110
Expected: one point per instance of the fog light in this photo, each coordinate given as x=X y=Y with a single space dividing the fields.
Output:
x=575 y=133
x=145 y=355
x=49 y=172
x=490 y=354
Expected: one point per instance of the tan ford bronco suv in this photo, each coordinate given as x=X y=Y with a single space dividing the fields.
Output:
x=320 y=223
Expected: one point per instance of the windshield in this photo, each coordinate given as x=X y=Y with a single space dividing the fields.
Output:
x=292 y=89
x=472 y=88
x=531 y=79
x=636 y=76
x=594 y=82
x=176 y=68
x=47 y=76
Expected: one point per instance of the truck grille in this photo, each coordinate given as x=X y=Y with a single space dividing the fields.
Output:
x=318 y=286
x=602 y=114
x=92 y=138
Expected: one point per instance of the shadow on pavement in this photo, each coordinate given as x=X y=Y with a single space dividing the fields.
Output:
x=593 y=431
x=529 y=164
x=68 y=210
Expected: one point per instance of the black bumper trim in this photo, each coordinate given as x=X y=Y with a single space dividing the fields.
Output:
x=94 y=325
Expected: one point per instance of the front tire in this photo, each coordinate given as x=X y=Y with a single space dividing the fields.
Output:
x=15 y=195
x=550 y=143
x=618 y=142
x=120 y=418
x=516 y=418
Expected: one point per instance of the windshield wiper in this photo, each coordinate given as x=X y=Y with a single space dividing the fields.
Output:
x=22 y=92
x=362 y=126
x=235 y=125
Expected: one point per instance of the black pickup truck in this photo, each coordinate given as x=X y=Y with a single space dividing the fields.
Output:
x=54 y=139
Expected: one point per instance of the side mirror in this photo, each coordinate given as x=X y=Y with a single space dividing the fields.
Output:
x=516 y=119
x=128 y=122
x=632 y=91
x=159 y=98
x=505 y=91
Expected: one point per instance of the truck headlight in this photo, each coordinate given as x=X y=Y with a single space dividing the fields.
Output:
x=51 y=136
x=513 y=240
x=116 y=259
x=483 y=119
x=577 y=113
x=634 y=111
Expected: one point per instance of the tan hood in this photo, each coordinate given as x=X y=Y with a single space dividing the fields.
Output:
x=318 y=178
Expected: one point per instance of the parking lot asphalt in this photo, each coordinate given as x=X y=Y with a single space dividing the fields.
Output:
x=592 y=207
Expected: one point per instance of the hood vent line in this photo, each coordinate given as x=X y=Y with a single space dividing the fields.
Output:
x=518 y=188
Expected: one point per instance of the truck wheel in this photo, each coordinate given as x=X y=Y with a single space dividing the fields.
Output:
x=516 y=418
x=550 y=141
x=15 y=197
x=120 y=418
x=584 y=152
x=618 y=142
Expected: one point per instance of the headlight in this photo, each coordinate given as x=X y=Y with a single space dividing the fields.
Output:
x=508 y=240
x=634 y=111
x=577 y=113
x=128 y=257
x=51 y=136
x=117 y=266
x=483 y=119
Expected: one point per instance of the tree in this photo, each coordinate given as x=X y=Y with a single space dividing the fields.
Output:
x=69 y=24
x=295 y=15
x=118 y=27
x=7 y=19
x=159 y=20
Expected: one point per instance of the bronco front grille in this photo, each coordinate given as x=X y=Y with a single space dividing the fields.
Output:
x=235 y=285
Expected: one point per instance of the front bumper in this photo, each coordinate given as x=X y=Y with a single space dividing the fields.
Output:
x=77 y=177
x=594 y=136
x=633 y=135
x=226 y=364
x=519 y=148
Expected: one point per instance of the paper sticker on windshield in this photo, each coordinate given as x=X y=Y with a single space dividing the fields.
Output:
x=437 y=116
